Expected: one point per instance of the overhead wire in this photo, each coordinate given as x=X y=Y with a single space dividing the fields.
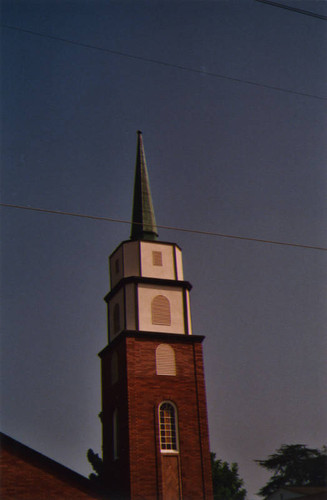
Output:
x=294 y=9
x=184 y=68
x=166 y=64
x=172 y=228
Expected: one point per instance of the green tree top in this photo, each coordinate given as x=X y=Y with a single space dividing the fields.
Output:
x=295 y=465
x=226 y=482
x=97 y=465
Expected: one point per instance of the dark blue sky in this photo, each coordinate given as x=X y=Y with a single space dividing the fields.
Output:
x=223 y=156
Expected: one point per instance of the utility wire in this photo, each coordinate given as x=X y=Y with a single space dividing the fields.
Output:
x=294 y=9
x=172 y=228
x=167 y=64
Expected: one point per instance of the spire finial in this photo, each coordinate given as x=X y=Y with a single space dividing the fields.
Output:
x=143 y=219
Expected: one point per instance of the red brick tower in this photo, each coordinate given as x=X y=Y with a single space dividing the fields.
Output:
x=154 y=417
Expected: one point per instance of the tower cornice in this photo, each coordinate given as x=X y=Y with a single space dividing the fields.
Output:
x=153 y=242
x=147 y=281
x=150 y=336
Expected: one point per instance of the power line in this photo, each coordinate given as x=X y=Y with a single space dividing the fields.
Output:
x=294 y=9
x=166 y=64
x=172 y=228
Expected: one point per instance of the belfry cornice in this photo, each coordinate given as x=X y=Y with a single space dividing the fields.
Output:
x=151 y=336
x=147 y=281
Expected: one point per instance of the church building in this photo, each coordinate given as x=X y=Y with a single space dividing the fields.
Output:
x=154 y=416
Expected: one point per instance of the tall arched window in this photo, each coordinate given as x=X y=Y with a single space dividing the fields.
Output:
x=168 y=427
x=165 y=360
x=115 y=432
x=116 y=318
x=160 y=311
x=114 y=367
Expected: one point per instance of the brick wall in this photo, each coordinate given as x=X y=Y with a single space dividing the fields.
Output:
x=145 y=391
x=28 y=475
x=115 y=397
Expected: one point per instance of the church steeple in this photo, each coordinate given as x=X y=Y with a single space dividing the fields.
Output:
x=143 y=220
x=154 y=415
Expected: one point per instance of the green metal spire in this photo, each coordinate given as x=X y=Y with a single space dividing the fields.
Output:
x=143 y=220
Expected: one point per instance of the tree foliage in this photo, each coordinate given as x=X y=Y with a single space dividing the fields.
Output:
x=225 y=480
x=97 y=466
x=295 y=465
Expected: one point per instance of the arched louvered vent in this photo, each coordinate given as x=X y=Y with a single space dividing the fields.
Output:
x=116 y=318
x=165 y=360
x=114 y=368
x=160 y=309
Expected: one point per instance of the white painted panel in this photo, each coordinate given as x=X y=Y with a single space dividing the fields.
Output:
x=179 y=264
x=131 y=259
x=130 y=307
x=188 y=306
x=117 y=299
x=167 y=270
x=116 y=266
x=146 y=294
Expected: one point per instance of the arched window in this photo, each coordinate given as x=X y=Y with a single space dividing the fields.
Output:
x=115 y=432
x=168 y=427
x=160 y=310
x=114 y=368
x=116 y=318
x=165 y=360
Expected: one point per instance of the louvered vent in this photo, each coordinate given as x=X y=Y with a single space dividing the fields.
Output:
x=156 y=258
x=165 y=360
x=160 y=309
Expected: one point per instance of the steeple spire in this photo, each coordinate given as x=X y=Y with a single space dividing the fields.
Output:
x=143 y=219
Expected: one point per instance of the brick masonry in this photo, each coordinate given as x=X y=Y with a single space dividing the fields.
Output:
x=29 y=475
x=137 y=395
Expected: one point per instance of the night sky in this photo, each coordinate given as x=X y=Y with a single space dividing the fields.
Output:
x=224 y=156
